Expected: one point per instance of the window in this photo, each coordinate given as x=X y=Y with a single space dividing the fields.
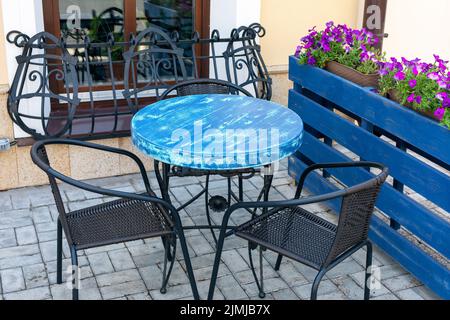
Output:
x=98 y=19
x=100 y=70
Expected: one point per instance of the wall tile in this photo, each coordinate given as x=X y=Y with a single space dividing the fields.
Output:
x=30 y=175
x=8 y=173
x=8 y=160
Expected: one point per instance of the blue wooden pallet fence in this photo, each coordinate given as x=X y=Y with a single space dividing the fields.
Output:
x=316 y=93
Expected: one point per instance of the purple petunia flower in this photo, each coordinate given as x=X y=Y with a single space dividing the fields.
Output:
x=446 y=103
x=399 y=76
x=411 y=98
x=311 y=60
x=433 y=76
x=308 y=45
x=364 y=56
x=439 y=113
x=384 y=72
x=374 y=41
x=442 y=96
x=418 y=99
x=325 y=45
x=412 y=83
x=443 y=84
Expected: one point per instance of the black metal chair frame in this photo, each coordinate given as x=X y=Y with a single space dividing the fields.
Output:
x=194 y=87
x=168 y=213
x=339 y=250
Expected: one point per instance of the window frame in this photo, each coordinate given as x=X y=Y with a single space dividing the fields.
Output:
x=202 y=9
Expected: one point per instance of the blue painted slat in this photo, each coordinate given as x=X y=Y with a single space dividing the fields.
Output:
x=406 y=124
x=426 y=225
x=405 y=168
x=431 y=272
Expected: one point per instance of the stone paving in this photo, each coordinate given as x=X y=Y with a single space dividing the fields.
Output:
x=133 y=270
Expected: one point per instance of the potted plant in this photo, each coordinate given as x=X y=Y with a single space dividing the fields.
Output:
x=421 y=86
x=341 y=50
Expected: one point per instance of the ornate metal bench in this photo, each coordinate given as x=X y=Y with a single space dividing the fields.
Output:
x=89 y=90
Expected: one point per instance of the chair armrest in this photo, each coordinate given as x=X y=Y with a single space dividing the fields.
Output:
x=89 y=145
x=280 y=204
x=297 y=201
x=310 y=169
x=94 y=189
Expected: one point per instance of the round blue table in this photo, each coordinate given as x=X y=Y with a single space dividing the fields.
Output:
x=217 y=132
x=223 y=134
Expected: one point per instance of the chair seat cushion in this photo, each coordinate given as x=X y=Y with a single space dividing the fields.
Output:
x=117 y=221
x=293 y=232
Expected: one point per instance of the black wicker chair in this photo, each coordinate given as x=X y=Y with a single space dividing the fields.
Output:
x=196 y=87
x=132 y=217
x=294 y=232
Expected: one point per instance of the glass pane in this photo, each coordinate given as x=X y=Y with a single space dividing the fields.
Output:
x=168 y=15
x=95 y=19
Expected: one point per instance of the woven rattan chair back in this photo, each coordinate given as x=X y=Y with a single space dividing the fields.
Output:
x=354 y=219
x=204 y=86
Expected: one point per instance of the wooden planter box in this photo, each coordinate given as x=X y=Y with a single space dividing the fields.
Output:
x=316 y=95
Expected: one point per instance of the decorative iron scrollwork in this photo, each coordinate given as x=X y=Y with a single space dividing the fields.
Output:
x=244 y=63
x=150 y=64
x=42 y=78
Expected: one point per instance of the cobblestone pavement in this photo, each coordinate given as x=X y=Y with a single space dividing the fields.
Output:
x=134 y=270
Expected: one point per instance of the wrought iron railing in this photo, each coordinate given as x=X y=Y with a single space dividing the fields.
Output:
x=78 y=88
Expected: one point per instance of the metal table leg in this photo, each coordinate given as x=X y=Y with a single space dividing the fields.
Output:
x=268 y=179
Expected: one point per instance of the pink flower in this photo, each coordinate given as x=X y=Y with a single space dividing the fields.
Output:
x=439 y=113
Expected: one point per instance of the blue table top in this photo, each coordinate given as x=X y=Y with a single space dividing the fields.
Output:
x=217 y=132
